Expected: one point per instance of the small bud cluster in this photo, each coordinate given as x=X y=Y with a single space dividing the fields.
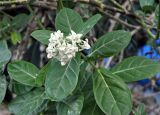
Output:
x=64 y=48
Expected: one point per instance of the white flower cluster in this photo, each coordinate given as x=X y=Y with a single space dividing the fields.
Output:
x=64 y=48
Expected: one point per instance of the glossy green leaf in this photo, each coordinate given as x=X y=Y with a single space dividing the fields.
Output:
x=111 y=93
x=88 y=25
x=42 y=36
x=110 y=44
x=23 y=72
x=3 y=87
x=27 y=104
x=67 y=20
x=70 y=107
x=5 y=54
x=62 y=80
x=136 y=68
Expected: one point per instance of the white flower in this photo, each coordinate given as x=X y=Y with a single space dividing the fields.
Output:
x=64 y=48
x=75 y=38
x=56 y=36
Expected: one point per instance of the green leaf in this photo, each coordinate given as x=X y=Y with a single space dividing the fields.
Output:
x=40 y=80
x=20 y=89
x=110 y=44
x=5 y=54
x=23 y=72
x=27 y=104
x=6 y=22
x=3 y=87
x=140 y=110
x=111 y=93
x=146 y=4
x=15 y=37
x=70 y=107
x=82 y=78
x=62 y=80
x=136 y=68
x=88 y=25
x=67 y=20
x=91 y=109
x=157 y=12
x=20 y=20
x=42 y=36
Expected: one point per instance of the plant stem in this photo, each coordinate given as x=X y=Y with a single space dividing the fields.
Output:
x=146 y=29
x=158 y=26
x=34 y=15
x=60 y=4
x=85 y=58
x=117 y=4
x=12 y=2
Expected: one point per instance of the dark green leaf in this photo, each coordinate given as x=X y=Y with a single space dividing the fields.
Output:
x=62 y=80
x=5 y=54
x=111 y=93
x=27 y=104
x=23 y=72
x=70 y=107
x=91 y=109
x=42 y=36
x=3 y=87
x=110 y=44
x=67 y=20
x=6 y=21
x=20 y=20
x=88 y=25
x=136 y=68
x=20 y=89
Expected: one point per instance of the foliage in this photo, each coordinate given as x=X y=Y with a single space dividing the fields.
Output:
x=80 y=87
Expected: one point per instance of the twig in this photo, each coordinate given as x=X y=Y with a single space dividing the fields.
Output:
x=135 y=31
x=107 y=7
x=12 y=2
x=145 y=27
x=117 y=4
x=121 y=56
x=158 y=26
x=117 y=19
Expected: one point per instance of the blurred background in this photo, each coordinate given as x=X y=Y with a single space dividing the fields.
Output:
x=19 y=18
